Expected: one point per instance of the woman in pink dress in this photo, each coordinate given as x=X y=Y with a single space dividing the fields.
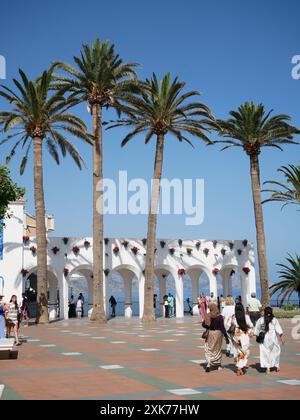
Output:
x=202 y=306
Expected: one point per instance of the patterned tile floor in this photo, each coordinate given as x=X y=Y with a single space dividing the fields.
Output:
x=124 y=360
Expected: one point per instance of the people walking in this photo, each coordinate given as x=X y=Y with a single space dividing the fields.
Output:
x=227 y=313
x=267 y=331
x=113 y=304
x=215 y=331
x=12 y=318
x=82 y=299
x=72 y=308
x=212 y=299
x=79 y=306
x=254 y=308
x=2 y=318
x=166 y=306
x=24 y=310
x=202 y=306
x=242 y=330
x=171 y=305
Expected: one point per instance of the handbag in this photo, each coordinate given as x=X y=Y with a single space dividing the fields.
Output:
x=261 y=337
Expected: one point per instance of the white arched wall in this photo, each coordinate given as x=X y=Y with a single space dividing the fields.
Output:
x=85 y=270
x=194 y=272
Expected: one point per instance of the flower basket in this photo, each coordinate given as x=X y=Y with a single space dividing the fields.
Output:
x=180 y=242
x=116 y=250
x=106 y=271
x=189 y=251
x=26 y=239
x=144 y=241
x=55 y=250
x=223 y=251
x=246 y=270
x=181 y=271
x=215 y=271
x=87 y=244
x=232 y=273
x=125 y=244
x=245 y=242
x=215 y=243
x=162 y=244
x=33 y=250
x=106 y=240
x=239 y=251
x=206 y=251
x=231 y=246
x=164 y=276
x=134 y=250
x=66 y=271
x=76 y=250
x=24 y=272
x=65 y=240
x=172 y=251
x=198 y=244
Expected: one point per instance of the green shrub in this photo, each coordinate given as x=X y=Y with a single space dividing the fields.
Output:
x=289 y=307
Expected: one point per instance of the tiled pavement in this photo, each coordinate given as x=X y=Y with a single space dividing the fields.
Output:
x=125 y=360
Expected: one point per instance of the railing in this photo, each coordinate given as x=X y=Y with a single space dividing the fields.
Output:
x=276 y=303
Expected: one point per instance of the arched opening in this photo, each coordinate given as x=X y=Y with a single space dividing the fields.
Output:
x=30 y=289
x=123 y=285
x=80 y=282
x=164 y=284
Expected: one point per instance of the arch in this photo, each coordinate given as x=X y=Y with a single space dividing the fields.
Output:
x=85 y=271
x=226 y=274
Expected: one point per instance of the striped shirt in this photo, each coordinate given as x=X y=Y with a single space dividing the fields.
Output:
x=12 y=314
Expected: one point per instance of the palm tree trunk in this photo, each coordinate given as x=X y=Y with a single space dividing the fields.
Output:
x=149 y=315
x=98 y=313
x=42 y=316
x=260 y=231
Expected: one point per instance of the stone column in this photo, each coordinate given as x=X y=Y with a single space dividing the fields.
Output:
x=179 y=296
x=162 y=293
x=63 y=296
x=53 y=298
x=195 y=291
x=128 y=297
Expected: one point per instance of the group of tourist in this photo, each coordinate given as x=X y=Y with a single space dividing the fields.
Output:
x=237 y=326
x=12 y=315
x=76 y=307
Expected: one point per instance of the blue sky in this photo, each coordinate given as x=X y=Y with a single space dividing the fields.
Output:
x=230 y=51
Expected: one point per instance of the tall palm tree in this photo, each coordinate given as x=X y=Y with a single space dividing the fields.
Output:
x=290 y=193
x=290 y=275
x=252 y=128
x=102 y=80
x=40 y=117
x=159 y=109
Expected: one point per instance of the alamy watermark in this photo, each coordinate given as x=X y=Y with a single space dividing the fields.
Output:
x=178 y=197
x=296 y=68
x=2 y=67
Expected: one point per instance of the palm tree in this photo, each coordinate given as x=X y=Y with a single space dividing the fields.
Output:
x=102 y=80
x=290 y=275
x=252 y=128
x=39 y=117
x=290 y=193
x=159 y=109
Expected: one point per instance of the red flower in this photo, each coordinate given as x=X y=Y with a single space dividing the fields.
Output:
x=66 y=271
x=215 y=270
x=135 y=250
x=206 y=251
x=75 y=249
x=181 y=271
x=116 y=249
x=33 y=249
x=25 y=238
x=24 y=272
x=125 y=243
x=55 y=250
x=246 y=270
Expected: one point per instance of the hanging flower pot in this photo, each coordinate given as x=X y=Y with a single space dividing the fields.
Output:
x=155 y=250
x=198 y=244
x=33 y=250
x=65 y=240
x=135 y=250
x=106 y=240
x=181 y=271
x=223 y=251
x=246 y=270
x=206 y=251
x=164 y=276
x=172 y=251
x=76 y=250
x=215 y=243
x=180 y=242
x=232 y=273
x=116 y=250
x=125 y=244
x=106 y=271
x=24 y=272
x=231 y=246
x=189 y=251
x=144 y=241
x=66 y=271
x=239 y=251
x=245 y=242
x=26 y=239
x=215 y=271
x=87 y=244
x=162 y=244
x=55 y=250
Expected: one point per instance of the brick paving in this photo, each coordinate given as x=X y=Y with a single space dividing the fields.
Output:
x=124 y=360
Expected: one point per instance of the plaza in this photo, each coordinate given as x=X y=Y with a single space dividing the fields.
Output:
x=125 y=360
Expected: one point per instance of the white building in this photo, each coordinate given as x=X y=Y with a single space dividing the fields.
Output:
x=70 y=257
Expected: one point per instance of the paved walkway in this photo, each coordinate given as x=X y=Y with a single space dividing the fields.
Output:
x=125 y=360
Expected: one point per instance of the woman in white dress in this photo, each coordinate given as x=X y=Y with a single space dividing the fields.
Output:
x=242 y=331
x=269 y=329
